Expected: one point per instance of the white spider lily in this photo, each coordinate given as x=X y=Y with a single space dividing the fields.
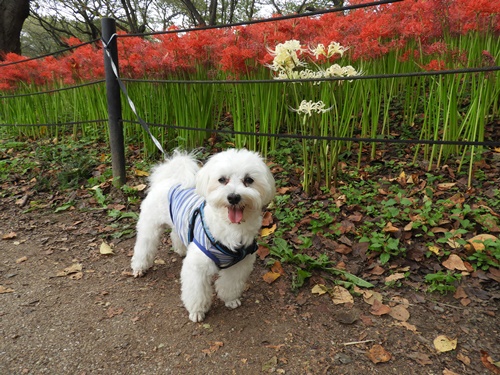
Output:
x=308 y=107
x=335 y=48
x=286 y=56
x=318 y=51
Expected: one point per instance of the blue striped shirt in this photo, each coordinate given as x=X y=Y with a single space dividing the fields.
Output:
x=183 y=205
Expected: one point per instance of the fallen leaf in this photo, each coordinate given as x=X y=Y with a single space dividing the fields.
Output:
x=74 y=268
x=394 y=277
x=420 y=358
x=264 y=232
x=105 y=249
x=370 y=296
x=341 y=295
x=214 y=346
x=399 y=312
x=267 y=219
x=319 y=289
x=22 y=259
x=446 y=185
x=434 y=249
x=488 y=363
x=270 y=365
x=276 y=271
x=454 y=262
x=4 y=289
x=389 y=228
x=445 y=344
x=263 y=252
x=477 y=242
x=378 y=308
x=377 y=354
x=409 y=327
x=463 y=358
x=139 y=187
x=9 y=236
x=140 y=173
x=449 y=372
x=111 y=312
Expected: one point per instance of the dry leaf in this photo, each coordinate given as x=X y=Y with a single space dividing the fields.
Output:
x=394 y=277
x=140 y=173
x=214 y=346
x=267 y=219
x=264 y=232
x=378 y=308
x=409 y=327
x=139 y=187
x=454 y=262
x=74 y=268
x=105 y=249
x=477 y=242
x=369 y=296
x=377 y=354
x=319 y=289
x=22 y=259
x=446 y=185
x=399 y=312
x=449 y=372
x=263 y=252
x=276 y=271
x=389 y=228
x=434 y=249
x=9 y=236
x=488 y=363
x=341 y=295
x=420 y=358
x=4 y=289
x=463 y=358
x=445 y=344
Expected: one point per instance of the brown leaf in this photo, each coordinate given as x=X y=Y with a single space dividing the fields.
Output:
x=214 y=346
x=370 y=296
x=378 y=308
x=74 y=268
x=267 y=220
x=4 y=290
x=276 y=271
x=463 y=358
x=22 y=259
x=9 y=236
x=263 y=252
x=421 y=358
x=389 y=228
x=488 y=363
x=394 y=277
x=377 y=354
x=341 y=295
x=343 y=249
x=111 y=312
x=399 y=312
x=477 y=242
x=454 y=262
x=264 y=232
x=444 y=344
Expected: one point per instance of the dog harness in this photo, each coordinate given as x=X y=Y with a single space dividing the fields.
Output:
x=187 y=214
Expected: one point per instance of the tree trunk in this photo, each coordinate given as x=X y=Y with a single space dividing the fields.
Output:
x=12 y=16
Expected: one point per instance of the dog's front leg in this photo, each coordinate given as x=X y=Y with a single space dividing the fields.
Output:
x=196 y=279
x=231 y=282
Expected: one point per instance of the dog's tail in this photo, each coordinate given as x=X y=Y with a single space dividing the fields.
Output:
x=180 y=168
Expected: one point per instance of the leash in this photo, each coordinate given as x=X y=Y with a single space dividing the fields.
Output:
x=143 y=123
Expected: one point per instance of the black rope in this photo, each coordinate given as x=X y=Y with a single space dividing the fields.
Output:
x=352 y=78
x=328 y=138
x=54 y=90
x=69 y=123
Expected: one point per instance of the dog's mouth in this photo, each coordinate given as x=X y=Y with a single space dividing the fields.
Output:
x=235 y=214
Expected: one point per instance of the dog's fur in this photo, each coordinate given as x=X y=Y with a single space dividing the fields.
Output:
x=233 y=172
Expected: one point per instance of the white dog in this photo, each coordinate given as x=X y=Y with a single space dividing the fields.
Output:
x=215 y=214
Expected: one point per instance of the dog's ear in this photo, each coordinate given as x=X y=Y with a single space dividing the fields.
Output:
x=270 y=187
x=203 y=181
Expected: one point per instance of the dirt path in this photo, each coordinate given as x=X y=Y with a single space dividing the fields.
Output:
x=99 y=320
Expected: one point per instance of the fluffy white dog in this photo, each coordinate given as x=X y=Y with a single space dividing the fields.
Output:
x=215 y=213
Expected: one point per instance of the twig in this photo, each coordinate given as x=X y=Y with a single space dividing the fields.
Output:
x=357 y=342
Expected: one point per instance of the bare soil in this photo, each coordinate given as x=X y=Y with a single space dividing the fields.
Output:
x=58 y=319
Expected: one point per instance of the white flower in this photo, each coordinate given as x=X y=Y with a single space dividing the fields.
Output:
x=335 y=48
x=308 y=107
x=318 y=51
x=336 y=70
x=286 y=56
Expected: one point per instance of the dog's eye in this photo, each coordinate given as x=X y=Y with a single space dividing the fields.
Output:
x=223 y=180
x=248 y=181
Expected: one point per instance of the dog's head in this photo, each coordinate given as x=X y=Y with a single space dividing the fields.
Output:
x=236 y=181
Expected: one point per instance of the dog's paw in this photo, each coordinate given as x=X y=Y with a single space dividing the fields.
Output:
x=138 y=273
x=197 y=316
x=233 y=304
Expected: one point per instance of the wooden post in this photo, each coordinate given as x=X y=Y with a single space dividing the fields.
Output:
x=115 y=123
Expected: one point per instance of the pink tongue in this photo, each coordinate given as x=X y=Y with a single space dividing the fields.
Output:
x=235 y=214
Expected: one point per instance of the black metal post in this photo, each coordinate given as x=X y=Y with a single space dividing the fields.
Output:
x=115 y=122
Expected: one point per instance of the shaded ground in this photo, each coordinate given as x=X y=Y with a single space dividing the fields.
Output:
x=102 y=321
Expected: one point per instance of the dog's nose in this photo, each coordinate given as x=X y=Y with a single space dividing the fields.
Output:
x=234 y=198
